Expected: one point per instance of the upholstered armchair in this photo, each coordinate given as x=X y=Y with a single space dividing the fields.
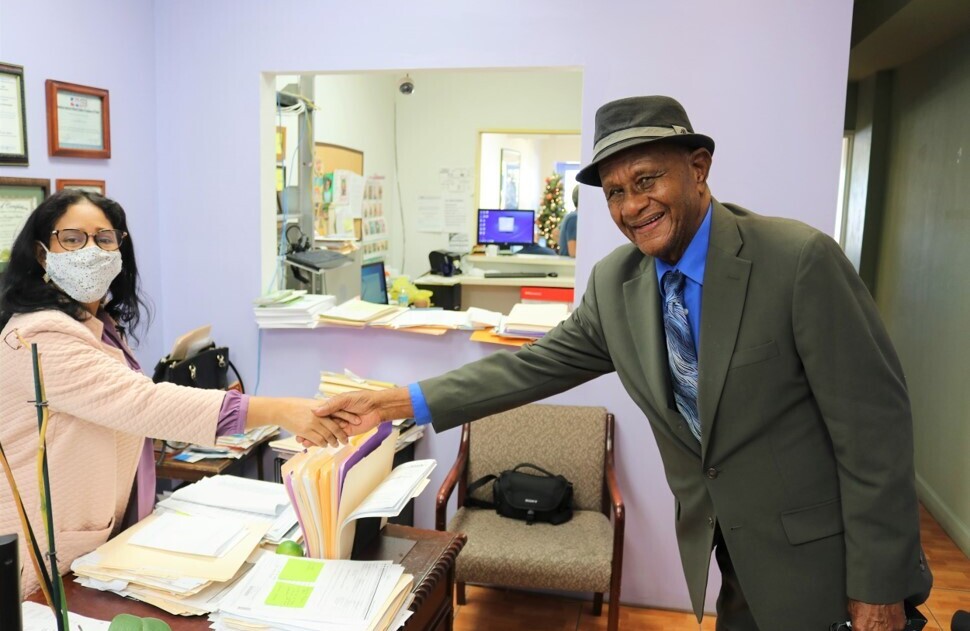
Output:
x=583 y=555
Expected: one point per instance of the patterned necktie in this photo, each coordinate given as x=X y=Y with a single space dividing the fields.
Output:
x=681 y=355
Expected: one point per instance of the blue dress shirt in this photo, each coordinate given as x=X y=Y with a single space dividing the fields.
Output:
x=691 y=265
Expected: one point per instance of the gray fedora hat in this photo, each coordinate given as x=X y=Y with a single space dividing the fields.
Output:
x=635 y=121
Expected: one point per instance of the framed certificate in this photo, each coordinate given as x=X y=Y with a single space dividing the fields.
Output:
x=19 y=196
x=77 y=121
x=94 y=186
x=13 y=120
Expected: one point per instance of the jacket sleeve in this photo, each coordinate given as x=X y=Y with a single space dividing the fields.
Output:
x=83 y=381
x=858 y=383
x=572 y=353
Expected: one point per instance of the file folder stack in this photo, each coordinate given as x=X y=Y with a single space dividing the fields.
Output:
x=357 y=313
x=179 y=563
x=533 y=320
x=333 y=383
x=295 y=594
x=330 y=488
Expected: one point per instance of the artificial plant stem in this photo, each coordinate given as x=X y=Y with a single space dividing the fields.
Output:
x=40 y=402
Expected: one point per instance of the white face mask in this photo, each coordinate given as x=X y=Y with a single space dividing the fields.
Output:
x=84 y=274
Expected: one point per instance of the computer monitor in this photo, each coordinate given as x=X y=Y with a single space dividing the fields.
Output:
x=373 y=284
x=506 y=227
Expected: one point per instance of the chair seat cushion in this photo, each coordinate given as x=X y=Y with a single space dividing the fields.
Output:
x=575 y=556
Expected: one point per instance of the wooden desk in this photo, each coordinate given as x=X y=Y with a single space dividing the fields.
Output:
x=431 y=561
x=194 y=471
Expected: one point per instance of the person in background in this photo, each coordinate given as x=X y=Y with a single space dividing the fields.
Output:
x=565 y=234
x=758 y=358
x=71 y=288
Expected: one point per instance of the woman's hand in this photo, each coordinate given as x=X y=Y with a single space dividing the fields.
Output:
x=296 y=416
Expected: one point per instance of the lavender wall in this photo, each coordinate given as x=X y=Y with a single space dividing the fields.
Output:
x=107 y=44
x=765 y=79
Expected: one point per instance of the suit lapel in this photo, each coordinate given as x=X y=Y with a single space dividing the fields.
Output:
x=642 y=298
x=722 y=302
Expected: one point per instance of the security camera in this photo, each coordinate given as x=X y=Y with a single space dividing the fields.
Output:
x=405 y=85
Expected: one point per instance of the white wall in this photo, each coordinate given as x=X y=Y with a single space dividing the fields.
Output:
x=439 y=125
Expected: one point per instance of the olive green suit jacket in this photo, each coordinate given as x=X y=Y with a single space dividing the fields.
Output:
x=806 y=456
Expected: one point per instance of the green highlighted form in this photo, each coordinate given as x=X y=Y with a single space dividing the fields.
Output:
x=301 y=570
x=289 y=595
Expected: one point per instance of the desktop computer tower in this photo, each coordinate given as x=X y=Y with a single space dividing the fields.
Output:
x=447 y=297
x=9 y=584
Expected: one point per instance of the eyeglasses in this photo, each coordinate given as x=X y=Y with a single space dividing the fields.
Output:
x=74 y=239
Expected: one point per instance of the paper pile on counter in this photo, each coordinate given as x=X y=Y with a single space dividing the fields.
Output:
x=296 y=594
x=301 y=311
x=356 y=312
x=532 y=320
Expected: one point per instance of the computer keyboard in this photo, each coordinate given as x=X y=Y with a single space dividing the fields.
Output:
x=319 y=259
x=519 y=274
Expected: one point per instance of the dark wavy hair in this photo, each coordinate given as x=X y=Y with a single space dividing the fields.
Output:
x=22 y=285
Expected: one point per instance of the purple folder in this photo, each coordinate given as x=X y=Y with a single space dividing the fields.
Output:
x=383 y=431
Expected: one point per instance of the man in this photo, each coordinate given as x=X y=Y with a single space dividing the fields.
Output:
x=565 y=234
x=758 y=356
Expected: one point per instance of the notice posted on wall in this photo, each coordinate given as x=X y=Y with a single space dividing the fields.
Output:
x=431 y=214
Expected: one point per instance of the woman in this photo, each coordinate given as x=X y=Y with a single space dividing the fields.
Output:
x=71 y=287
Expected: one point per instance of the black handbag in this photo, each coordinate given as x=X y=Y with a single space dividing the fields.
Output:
x=531 y=498
x=209 y=368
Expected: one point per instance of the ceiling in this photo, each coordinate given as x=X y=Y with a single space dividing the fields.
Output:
x=888 y=33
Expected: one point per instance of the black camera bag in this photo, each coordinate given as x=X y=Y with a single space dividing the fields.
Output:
x=531 y=498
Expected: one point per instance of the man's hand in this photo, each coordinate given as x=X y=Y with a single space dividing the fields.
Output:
x=361 y=411
x=296 y=416
x=866 y=617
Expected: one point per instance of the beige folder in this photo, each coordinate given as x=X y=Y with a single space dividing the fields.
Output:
x=118 y=554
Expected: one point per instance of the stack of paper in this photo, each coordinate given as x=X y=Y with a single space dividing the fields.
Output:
x=356 y=312
x=178 y=562
x=334 y=383
x=312 y=595
x=301 y=312
x=533 y=320
x=242 y=499
x=241 y=442
x=330 y=488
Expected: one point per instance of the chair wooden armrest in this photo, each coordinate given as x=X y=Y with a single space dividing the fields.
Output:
x=456 y=473
x=619 y=519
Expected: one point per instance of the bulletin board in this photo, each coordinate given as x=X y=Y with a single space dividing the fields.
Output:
x=328 y=158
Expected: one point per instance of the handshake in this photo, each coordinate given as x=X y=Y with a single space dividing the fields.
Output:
x=333 y=421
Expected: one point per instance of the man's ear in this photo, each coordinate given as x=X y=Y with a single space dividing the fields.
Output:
x=700 y=160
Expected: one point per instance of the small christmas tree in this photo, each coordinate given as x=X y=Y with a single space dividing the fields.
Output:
x=551 y=208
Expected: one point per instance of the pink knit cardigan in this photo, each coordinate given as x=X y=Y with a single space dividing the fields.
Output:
x=100 y=413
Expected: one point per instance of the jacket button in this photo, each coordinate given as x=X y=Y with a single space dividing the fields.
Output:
x=710 y=522
x=712 y=473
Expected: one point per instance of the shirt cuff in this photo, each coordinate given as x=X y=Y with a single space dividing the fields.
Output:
x=422 y=415
x=232 y=416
